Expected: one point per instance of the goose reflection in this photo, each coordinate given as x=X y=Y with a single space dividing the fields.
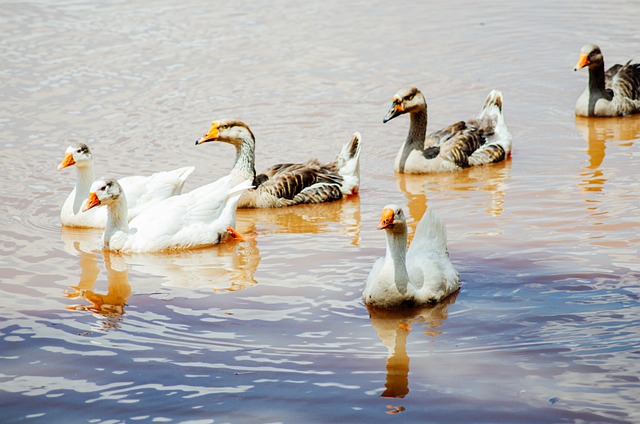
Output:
x=112 y=304
x=393 y=328
x=597 y=131
x=229 y=266
x=311 y=218
x=489 y=181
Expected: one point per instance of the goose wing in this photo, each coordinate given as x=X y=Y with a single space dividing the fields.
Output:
x=624 y=80
x=300 y=183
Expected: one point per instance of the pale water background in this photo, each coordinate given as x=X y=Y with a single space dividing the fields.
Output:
x=546 y=327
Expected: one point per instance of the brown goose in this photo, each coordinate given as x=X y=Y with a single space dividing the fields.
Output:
x=612 y=93
x=476 y=142
x=287 y=184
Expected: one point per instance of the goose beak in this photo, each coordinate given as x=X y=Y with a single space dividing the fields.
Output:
x=396 y=109
x=582 y=62
x=387 y=219
x=91 y=202
x=212 y=135
x=67 y=161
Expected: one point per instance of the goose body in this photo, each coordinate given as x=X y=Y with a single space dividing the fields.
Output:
x=202 y=217
x=421 y=275
x=476 y=142
x=141 y=190
x=615 y=92
x=287 y=184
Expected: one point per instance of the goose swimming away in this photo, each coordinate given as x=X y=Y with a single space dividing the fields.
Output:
x=615 y=92
x=476 y=142
x=141 y=190
x=202 y=217
x=421 y=275
x=288 y=184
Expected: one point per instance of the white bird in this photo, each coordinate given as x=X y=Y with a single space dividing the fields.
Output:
x=474 y=142
x=612 y=93
x=422 y=275
x=288 y=184
x=141 y=190
x=202 y=217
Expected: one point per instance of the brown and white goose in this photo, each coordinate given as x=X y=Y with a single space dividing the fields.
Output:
x=287 y=184
x=476 y=142
x=615 y=92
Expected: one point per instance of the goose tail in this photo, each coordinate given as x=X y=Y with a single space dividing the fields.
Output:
x=491 y=121
x=348 y=163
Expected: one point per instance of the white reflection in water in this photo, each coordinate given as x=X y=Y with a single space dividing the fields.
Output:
x=393 y=328
x=485 y=186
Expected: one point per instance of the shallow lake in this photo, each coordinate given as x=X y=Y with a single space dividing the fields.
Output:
x=546 y=326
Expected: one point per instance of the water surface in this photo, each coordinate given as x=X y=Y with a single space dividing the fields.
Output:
x=546 y=327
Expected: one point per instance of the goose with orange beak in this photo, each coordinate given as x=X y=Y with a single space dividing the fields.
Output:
x=141 y=190
x=474 y=142
x=202 y=217
x=287 y=184
x=419 y=276
x=615 y=92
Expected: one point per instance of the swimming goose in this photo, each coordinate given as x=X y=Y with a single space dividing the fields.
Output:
x=287 y=184
x=141 y=191
x=461 y=145
x=202 y=217
x=419 y=276
x=612 y=93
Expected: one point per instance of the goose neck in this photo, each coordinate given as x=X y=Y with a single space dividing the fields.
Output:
x=245 y=158
x=117 y=216
x=418 y=127
x=85 y=176
x=597 y=81
x=396 y=258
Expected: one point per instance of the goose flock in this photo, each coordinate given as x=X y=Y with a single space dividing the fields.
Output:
x=151 y=214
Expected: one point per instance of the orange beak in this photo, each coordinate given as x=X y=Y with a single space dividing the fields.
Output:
x=387 y=219
x=212 y=135
x=583 y=61
x=91 y=202
x=67 y=161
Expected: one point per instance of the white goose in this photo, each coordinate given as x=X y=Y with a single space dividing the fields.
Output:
x=474 y=142
x=421 y=275
x=288 y=184
x=141 y=191
x=612 y=93
x=202 y=217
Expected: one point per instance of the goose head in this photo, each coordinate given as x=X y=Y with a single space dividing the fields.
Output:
x=104 y=191
x=407 y=100
x=77 y=154
x=591 y=56
x=393 y=219
x=229 y=131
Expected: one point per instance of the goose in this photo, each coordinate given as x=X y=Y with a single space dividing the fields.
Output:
x=476 y=142
x=421 y=275
x=141 y=191
x=287 y=184
x=202 y=217
x=612 y=93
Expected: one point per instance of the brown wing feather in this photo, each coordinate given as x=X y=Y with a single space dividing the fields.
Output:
x=624 y=80
x=287 y=181
x=458 y=149
x=438 y=137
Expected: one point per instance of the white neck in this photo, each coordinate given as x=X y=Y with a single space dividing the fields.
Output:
x=117 y=218
x=85 y=177
x=245 y=159
x=395 y=261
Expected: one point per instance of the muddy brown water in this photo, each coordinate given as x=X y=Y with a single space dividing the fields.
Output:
x=546 y=327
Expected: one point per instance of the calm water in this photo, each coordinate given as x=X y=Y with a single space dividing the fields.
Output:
x=545 y=329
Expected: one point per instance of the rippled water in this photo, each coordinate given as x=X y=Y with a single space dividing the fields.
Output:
x=546 y=327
